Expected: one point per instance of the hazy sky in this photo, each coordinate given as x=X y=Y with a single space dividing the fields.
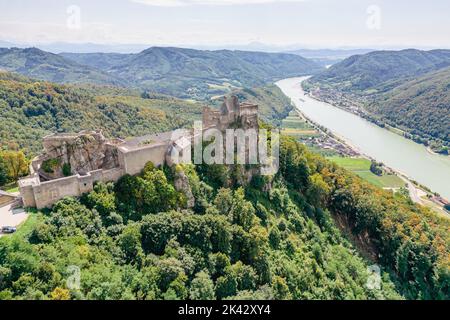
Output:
x=310 y=23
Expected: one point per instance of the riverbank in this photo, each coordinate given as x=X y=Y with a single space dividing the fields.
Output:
x=418 y=194
x=341 y=101
x=404 y=157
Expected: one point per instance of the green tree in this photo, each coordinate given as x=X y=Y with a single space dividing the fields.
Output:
x=178 y=286
x=16 y=163
x=242 y=211
x=280 y=289
x=202 y=287
x=3 y=171
x=224 y=200
x=275 y=237
x=226 y=286
x=130 y=243
x=318 y=190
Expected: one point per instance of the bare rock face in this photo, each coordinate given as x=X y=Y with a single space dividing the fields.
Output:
x=68 y=154
x=181 y=183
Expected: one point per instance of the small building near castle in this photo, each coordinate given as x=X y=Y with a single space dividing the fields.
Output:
x=71 y=164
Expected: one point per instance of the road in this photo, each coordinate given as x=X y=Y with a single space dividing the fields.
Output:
x=12 y=217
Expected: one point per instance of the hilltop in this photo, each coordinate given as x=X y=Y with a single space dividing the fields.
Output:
x=43 y=65
x=369 y=72
x=276 y=237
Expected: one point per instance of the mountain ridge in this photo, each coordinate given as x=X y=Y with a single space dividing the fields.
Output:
x=199 y=74
x=36 y=63
x=360 y=72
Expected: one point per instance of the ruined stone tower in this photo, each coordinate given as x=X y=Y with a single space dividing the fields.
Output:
x=231 y=114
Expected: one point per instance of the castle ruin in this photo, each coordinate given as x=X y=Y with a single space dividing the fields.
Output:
x=71 y=164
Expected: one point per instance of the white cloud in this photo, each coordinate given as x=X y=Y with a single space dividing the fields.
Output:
x=180 y=3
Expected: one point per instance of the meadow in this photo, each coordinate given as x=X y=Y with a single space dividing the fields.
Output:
x=361 y=167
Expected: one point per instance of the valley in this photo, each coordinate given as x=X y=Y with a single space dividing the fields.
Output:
x=405 y=91
x=403 y=155
x=310 y=231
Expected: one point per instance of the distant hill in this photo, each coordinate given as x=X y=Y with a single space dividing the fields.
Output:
x=184 y=73
x=274 y=106
x=327 y=57
x=43 y=65
x=99 y=60
x=366 y=72
x=197 y=74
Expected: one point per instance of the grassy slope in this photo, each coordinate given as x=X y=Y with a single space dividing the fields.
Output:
x=361 y=167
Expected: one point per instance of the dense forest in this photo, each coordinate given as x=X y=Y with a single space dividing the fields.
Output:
x=197 y=74
x=31 y=109
x=373 y=70
x=407 y=89
x=183 y=73
x=281 y=237
x=420 y=106
x=273 y=105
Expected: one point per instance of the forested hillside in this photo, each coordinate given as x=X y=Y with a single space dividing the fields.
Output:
x=406 y=89
x=184 y=73
x=422 y=105
x=31 y=109
x=197 y=74
x=39 y=64
x=364 y=73
x=276 y=238
x=273 y=105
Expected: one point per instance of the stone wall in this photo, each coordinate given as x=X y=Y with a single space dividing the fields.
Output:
x=230 y=113
x=6 y=199
x=92 y=158
x=45 y=194
x=134 y=160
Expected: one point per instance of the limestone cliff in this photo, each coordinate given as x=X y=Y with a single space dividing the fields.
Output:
x=68 y=154
x=181 y=184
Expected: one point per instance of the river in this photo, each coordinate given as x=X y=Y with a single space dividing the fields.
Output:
x=397 y=152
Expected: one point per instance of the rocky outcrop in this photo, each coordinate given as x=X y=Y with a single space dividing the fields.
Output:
x=181 y=183
x=68 y=154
